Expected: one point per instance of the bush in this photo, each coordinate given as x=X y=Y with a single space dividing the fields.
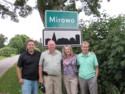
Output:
x=7 y=51
x=37 y=49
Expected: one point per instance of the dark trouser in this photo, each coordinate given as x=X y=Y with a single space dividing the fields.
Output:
x=90 y=84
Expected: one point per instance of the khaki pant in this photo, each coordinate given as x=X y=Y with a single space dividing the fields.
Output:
x=71 y=84
x=53 y=84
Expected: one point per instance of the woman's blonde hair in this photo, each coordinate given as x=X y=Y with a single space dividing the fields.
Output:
x=63 y=51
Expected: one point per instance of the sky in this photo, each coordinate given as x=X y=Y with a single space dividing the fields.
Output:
x=32 y=26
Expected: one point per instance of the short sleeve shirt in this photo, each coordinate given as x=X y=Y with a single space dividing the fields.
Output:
x=29 y=64
x=51 y=63
x=87 y=64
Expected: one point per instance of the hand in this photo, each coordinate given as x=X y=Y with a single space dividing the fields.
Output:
x=40 y=80
x=92 y=52
x=21 y=81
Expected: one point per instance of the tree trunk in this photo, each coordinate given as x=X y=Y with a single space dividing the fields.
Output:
x=53 y=7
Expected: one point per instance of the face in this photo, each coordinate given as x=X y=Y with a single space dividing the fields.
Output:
x=30 y=46
x=51 y=46
x=85 y=48
x=67 y=51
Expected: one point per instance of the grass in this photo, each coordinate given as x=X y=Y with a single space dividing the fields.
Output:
x=3 y=57
x=9 y=82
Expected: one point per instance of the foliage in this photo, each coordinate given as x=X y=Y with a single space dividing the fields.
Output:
x=24 y=38
x=18 y=42
x=2 y=40
x=4 y=10
x=38 y=45
x=7 y=51
x=37 y=49
x=89 y=6
x=106 y=37
x=21 y=8
x=20 y=2
x=48 y=4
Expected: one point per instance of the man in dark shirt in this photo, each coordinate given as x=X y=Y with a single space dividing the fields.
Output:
x=27 y=69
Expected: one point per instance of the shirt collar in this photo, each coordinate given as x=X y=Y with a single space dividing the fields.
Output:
x=54 y=52
x=29 y=53
x=85 y=55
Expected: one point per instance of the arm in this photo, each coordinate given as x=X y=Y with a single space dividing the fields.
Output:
x=40 y=69
x=40 y=74
x=97 y=71
x=18 y=70
x=96 y=65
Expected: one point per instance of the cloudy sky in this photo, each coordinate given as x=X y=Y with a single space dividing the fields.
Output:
x=32 y=25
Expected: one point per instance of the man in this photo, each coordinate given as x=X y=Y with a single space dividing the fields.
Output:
x=50 y=63
x=88 y=70
x=27 y=69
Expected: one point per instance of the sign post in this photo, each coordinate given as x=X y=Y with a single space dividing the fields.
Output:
x=62 y=27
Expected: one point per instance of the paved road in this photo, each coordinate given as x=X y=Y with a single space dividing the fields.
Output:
x=5 y=64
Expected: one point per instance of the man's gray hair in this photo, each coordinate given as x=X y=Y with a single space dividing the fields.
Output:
x=85 y=42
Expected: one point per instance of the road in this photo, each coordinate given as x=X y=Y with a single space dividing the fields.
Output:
x=5 y=64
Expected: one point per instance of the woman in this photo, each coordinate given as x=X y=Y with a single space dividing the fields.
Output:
x=69 y=70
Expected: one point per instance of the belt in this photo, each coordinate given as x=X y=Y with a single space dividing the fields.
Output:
x=52 y=75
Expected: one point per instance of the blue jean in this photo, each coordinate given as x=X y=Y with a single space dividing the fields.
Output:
x=30 y=87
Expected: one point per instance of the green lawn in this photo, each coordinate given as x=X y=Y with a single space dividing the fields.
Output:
x=3 y=57
x=9 y=82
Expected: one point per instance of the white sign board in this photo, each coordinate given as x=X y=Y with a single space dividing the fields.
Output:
x=62 y=37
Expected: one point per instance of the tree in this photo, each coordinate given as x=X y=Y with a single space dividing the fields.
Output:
x=38 y=45
x=18 y=42
x=2 y=40
x=89 y=7
x=14 y=9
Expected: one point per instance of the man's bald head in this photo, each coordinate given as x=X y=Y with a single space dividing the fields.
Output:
x=51 y=46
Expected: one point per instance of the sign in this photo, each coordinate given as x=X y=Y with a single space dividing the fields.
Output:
x=61 y=19
x=62 y=37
